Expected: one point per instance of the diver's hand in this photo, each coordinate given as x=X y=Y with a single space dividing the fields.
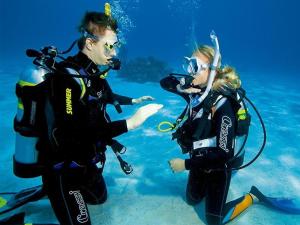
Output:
x=142 y=114
x=177 y=165
x=190 y=90
x=142 y=99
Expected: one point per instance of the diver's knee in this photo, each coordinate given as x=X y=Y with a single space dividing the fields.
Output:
x=191 y=199
x=104 y=198
x=97 y=200
x=193 y=195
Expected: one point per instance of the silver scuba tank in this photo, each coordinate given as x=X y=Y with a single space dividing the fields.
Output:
x=26 y=154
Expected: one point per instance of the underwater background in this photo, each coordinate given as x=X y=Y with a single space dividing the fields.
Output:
x=259 y=38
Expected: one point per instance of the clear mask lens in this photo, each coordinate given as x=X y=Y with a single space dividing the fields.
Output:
x=190 y=65
x=115 y=46
x=112 y=47
x=194 y=65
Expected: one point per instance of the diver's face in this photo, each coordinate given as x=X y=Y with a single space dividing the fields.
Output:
x=201 y=77
x=102 y=50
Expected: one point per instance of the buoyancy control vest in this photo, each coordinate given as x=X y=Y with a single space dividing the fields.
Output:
x=30 y=122
x=189 y=139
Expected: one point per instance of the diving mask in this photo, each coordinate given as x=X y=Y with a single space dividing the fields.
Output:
x=194 y=65
x=109 y=45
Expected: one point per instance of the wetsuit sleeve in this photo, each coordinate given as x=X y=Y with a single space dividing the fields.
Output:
x=108 y=130
x=169 y=83
x=225 y=122
x=122 y=100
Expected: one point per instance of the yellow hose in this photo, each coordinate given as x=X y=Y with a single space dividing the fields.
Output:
x=171 y=126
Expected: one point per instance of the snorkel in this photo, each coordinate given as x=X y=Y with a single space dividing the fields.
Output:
x=107 y=9
x=213 y=68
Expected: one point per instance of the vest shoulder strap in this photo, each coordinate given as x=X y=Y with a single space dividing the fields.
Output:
x=78 y=80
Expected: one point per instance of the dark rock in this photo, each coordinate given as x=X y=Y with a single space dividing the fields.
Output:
x=144 y=69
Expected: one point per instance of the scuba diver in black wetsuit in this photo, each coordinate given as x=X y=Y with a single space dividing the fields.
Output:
x=81 y=128
x=208 y=134
x=74 y=128
x=215 y=116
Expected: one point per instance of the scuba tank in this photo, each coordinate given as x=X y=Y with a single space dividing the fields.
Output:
x=25 y=123
x=28 y=121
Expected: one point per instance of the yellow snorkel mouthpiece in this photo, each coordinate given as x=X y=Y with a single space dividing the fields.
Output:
x=107 y=9
x=103 y=76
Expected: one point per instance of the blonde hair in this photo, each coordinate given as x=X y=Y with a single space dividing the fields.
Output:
x=227 y=77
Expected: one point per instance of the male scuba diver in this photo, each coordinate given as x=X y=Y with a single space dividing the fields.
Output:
x=64 y=117
x=215 y=115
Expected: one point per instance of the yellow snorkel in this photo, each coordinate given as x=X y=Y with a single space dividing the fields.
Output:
x=107 y=9
x=103 y=76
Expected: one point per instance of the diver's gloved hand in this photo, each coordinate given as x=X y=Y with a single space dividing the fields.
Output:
x=190 y=90
x=142 y=114
x=177 y=165
x=142 y=99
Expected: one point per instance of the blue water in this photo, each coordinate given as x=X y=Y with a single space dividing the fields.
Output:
x=258 y=38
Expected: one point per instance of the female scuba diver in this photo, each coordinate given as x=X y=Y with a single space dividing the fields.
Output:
x=208 y=135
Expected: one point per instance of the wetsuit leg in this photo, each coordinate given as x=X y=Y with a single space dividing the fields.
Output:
x=217 y=210
x=65 y=194
x=196 y=186
x=217 y=190
x=236 y=207
x=94 y=189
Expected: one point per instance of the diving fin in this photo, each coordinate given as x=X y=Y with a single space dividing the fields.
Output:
x=282 y=204
x=20 y=198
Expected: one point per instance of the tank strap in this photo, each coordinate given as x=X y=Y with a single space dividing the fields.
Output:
x=29 y=101
x=78 y=80
x=23 y=83
x=19 y=94
x=19 y=91
x=219 y=102
x=25 y=130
